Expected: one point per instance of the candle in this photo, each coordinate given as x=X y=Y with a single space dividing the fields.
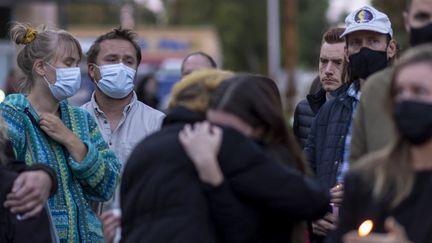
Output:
x=365 y=228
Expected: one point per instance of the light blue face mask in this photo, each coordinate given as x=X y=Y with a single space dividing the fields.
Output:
x=117 y=80
x=68 y=82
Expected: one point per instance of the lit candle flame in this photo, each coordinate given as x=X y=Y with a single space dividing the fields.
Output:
x=365 y=228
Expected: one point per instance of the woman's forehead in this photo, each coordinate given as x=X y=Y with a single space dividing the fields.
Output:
x=67 y=49
x=420 y=73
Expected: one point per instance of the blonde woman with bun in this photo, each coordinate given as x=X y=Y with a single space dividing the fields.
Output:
x=44 y=129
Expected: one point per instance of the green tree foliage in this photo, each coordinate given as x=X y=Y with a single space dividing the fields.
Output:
x=394 y=9
x=311 y=26
x=241 y=26
x=102 y=14
x=93 y=14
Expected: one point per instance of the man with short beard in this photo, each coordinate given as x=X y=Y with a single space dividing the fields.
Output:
x=331 y=76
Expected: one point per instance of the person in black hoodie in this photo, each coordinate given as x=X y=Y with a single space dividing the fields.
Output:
x=276 y=192
x=332 y=66
x=161 y=198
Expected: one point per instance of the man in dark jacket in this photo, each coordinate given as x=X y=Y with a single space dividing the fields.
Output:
x=370 y=48
x=331 y=76
x=372 y=125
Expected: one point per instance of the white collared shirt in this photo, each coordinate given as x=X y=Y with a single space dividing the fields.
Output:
x=138 y=121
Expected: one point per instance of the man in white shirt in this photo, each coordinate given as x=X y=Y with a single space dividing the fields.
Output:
x=123 y=120
x=112 y=62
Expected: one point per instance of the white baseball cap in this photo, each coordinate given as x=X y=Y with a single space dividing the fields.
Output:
x=367 y=18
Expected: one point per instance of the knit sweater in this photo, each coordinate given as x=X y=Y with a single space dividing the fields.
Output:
x=94 y=178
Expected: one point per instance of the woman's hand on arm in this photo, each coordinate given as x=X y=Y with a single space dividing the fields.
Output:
x=202 y=144
x=29 y=193
x=54 y=127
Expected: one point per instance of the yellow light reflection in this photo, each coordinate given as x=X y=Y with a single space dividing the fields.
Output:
x=365 y=228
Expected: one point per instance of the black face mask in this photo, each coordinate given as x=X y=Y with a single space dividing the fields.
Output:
x=414 y=121
x=366 y=62
x=421 y=35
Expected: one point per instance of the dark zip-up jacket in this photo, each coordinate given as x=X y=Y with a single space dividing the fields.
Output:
x=326 y=142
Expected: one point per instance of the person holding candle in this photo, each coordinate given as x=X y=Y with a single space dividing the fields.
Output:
x=392 y=186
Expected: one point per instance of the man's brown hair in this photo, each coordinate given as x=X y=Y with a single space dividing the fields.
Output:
x=332 y=36
x=114 y=34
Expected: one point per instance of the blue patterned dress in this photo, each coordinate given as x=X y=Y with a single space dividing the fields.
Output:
x=94 y=179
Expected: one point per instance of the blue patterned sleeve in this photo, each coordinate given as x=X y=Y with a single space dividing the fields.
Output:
x=99 y=171
x=15 y=130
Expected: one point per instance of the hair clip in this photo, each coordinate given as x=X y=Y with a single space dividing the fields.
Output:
x=29 y=36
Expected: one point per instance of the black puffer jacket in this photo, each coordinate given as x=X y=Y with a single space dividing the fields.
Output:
x=325 y=145
x=304 y=114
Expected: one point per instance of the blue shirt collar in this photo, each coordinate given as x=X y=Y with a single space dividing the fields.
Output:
x=353 y=92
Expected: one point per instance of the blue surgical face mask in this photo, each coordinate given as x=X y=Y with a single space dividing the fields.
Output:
x=116 y=80
x=68 y=82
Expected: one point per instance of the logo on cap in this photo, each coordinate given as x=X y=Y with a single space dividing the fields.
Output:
x=363 y=16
